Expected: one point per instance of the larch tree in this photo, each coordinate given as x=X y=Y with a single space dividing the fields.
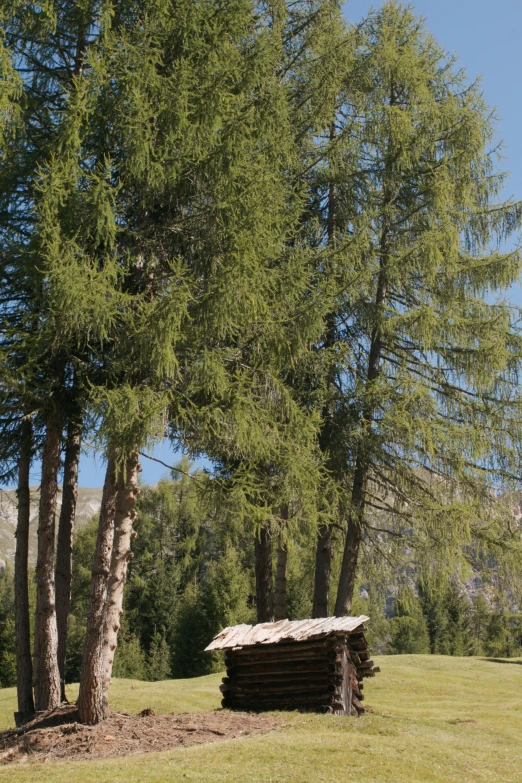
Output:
x=313 y=50
x=200 y=193
x=320 y=60
x=16 y=429
x=431 y=359
x=48 y=46
x=192 y=122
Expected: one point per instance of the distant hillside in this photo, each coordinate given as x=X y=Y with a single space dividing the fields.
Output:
x=89 y=501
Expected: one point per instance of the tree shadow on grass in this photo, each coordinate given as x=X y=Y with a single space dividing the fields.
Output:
x=501 y=660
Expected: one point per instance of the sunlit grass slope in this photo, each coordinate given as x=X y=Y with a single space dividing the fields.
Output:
x=197 y=695
x=434 y=720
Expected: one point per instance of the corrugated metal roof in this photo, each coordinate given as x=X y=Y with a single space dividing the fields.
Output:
x=284 y=630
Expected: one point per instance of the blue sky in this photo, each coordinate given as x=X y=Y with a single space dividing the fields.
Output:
x=92 y=467
x=487 y=38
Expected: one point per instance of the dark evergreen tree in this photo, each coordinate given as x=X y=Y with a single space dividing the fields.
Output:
x=409 y=630
x=8 y=662
x=457 y=636
x=479 y=623
x=158 y=663
x=433 y=608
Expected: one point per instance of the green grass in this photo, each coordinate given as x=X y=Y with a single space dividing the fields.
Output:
x=132 y=696
x=434 y=720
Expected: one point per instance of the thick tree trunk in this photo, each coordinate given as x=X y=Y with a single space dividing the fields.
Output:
x=264 y=578
x=90 y=699
x=323 y=569
x=24 y=664
x=280 y=582
x=46 y=675
x=65 y=540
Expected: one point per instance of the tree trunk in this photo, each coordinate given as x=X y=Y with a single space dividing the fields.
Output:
x=264 y=579
x=127 y=493
x=24 y=664
x=65 y=540
x=46 y=675
x=323 y=552
x=345 y=591
x=323 y=569
x=280 y=582
x=90 y=698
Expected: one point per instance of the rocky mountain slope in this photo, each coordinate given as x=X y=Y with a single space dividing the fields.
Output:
x=89 y=501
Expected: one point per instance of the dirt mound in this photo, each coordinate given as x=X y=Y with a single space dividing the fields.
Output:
x=58 y=735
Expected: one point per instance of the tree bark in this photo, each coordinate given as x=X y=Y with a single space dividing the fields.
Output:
x=127 y=494
x=46 y=675
x=343 y=603
x=24 y=664
x=323 y=569
x=346 y=587
x=280 y=582
x=65 y=540
x=90 y=698
x=264 y=578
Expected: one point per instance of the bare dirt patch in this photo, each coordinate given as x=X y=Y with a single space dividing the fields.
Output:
x=58 y=735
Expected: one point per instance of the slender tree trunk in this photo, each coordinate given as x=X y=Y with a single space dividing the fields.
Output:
x=24 y=664
x=323 y=569
x=264 y=578
x=280 y=582
x=362 y=467
x=46 y=675
x=65 y=540
x=90 y=699
x=70 y=481
x=343 y=603
x=124 y=533
x=346 y=588
x=352 y=544
x=323 y=552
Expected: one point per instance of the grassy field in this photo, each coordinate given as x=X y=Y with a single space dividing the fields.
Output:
x=434 y=720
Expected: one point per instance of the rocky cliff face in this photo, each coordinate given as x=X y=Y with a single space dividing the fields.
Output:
x=89 y=502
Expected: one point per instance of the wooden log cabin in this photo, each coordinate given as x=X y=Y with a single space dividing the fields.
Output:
x=308 y=665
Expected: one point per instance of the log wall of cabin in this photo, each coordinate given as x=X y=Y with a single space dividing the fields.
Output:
x=321 y=675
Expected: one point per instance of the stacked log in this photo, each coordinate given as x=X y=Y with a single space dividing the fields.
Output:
x=317 y=675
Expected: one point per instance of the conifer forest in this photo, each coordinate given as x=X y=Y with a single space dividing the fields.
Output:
x=279 y=241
